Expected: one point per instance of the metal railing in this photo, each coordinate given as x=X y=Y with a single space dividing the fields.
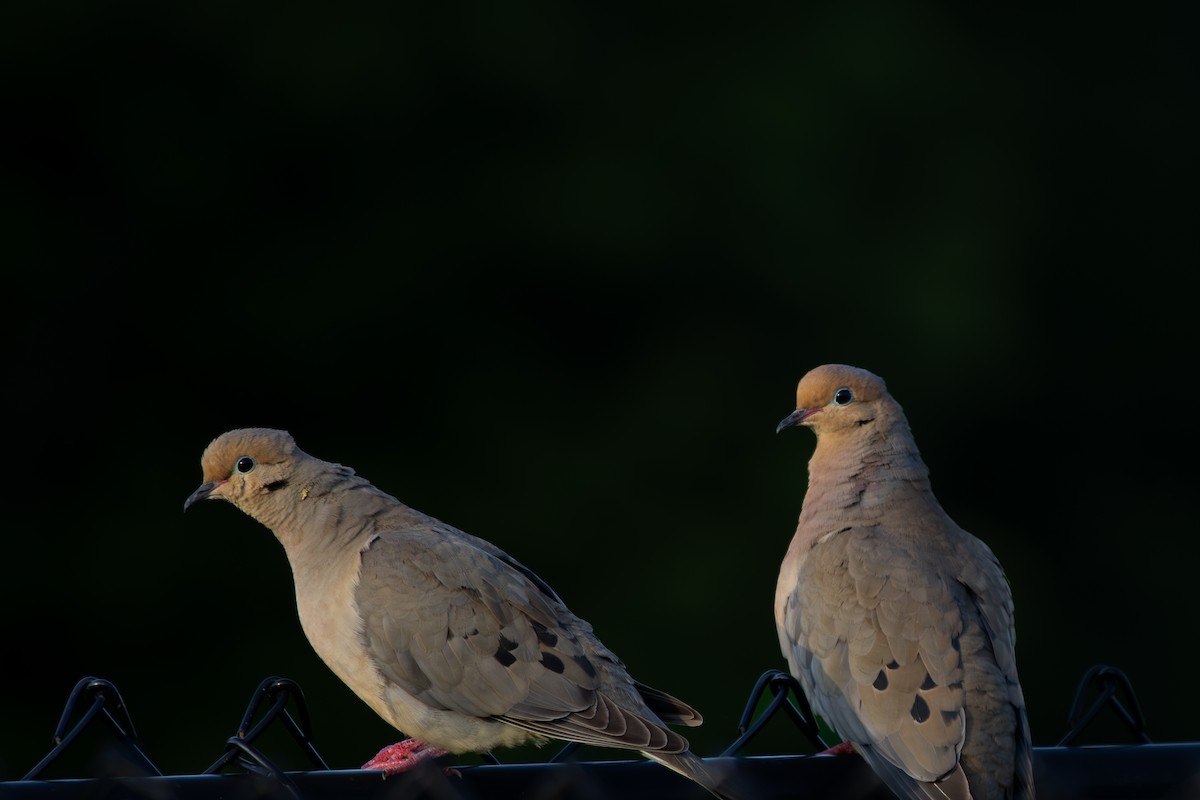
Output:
x=279 y=701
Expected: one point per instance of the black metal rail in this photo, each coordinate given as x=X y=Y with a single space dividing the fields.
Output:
x=1063 y=772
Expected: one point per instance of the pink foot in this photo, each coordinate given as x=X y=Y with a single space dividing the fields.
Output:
x=403 y=756
x=840 y=749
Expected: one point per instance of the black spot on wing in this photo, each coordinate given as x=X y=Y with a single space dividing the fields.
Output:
x=544 y=636
x=881 y=681
x=893 y=665
x=920 y=709
x=929 y=683
x=504 y=654
x=552 y=663
x=586 y=665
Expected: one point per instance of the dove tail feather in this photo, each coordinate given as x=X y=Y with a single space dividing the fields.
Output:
x=670 y=710
x=610 y=726
x=720 y=777
x=952 y=787
x=1023 y=788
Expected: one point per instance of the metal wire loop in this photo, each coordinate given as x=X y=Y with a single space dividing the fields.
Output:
x=279 y=691
x=254 y=761
x=105 y=698
x=780 y=683
x=1111 y=683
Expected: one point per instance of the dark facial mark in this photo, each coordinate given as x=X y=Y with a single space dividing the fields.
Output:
x=275 y=486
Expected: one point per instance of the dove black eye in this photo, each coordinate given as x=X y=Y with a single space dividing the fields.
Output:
x=843 y=396
x=244 y=465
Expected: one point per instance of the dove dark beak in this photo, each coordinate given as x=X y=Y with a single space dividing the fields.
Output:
x=795 y=418
x=200 y=494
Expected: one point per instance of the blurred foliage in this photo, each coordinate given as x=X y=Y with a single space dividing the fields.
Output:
x=550 y=273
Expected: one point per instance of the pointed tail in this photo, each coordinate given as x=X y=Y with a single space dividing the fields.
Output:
x=719 y=776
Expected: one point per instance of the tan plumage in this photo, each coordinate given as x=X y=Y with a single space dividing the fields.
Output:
x=897 y=622
x=446 y=636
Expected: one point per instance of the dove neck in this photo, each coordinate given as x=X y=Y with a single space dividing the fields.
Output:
x=865 y=474
x=327 y=512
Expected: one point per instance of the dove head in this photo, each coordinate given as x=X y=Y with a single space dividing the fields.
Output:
x=244 y=465
x=836 y=397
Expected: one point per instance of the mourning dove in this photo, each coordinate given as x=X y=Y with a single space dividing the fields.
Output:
x=444 y=635
x=897 y=623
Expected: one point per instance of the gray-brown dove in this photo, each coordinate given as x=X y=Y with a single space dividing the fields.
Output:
x=446 y=636
x=897 y=623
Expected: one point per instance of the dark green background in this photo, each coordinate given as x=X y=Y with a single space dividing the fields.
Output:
x=550 y=273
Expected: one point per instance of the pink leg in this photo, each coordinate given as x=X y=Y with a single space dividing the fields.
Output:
x=403 y=756
x=840 y=749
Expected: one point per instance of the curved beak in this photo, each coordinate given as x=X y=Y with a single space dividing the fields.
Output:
x=201 y=493
x=793 y=419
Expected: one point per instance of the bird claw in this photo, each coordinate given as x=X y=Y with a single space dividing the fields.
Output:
x=403 y=756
